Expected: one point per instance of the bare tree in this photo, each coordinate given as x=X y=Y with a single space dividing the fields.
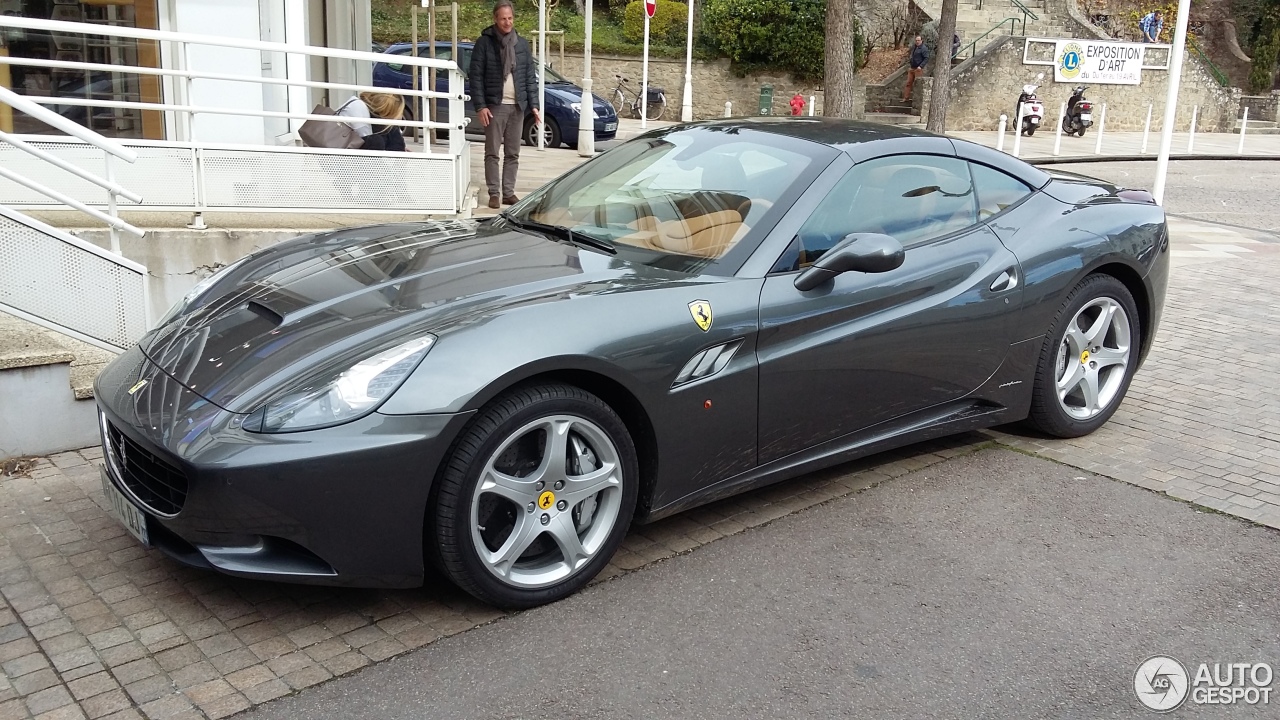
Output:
x=942 y=68
x=840 y=50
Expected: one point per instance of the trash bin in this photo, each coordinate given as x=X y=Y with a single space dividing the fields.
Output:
x=766 y=99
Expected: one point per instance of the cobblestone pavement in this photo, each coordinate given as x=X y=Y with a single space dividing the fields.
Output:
x=93 y=625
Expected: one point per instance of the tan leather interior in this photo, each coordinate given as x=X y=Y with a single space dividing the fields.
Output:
x=709 y=235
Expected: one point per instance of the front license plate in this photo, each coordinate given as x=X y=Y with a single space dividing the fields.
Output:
x=123 y=510
x=610 y=127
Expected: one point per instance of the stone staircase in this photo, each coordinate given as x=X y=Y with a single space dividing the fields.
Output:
x=46 y=389
x=975 y=20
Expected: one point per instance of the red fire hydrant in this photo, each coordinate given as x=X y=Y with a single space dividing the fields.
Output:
x=797 y=104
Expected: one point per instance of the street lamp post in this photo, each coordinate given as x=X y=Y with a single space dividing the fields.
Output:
x=686 y=106
x=586 y=118
x=1171 y=100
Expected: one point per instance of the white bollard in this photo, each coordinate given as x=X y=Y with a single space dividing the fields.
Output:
x=1017 y=132
x=1146 y=130
x=1191 y=137
x=1057 y=132
x=1243 y=124
x=728 y=109
x=1097 y=147
x=811 y=99
x=1000 y=133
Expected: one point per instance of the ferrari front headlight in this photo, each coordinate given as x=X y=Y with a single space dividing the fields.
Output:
x=353 y=393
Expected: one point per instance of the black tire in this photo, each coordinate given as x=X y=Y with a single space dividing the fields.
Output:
x=1031 y=130
x=1081 y=133
x=552 y=132
x=449 y=521
x=619 y=102
x=1047 y=413
x=1066 y=126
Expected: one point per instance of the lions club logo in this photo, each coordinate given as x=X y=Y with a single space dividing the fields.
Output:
x=1070 y=60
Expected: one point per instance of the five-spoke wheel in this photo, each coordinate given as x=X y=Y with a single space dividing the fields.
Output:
x=1088 y=359
x=536 y=497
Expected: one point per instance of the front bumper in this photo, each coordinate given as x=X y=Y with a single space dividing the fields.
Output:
x=344 y=505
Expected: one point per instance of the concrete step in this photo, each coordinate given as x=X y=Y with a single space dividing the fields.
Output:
x=46 y=381
x=892 y=118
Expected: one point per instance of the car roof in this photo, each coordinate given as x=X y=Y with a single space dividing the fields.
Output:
x=462 y=45
x=862 y=140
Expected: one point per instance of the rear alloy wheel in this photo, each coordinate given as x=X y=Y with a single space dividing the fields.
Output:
x=550 y=133
x=536 y=497
x=1088 y=359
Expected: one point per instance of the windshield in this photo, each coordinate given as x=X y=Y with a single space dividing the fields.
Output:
x=681 y=199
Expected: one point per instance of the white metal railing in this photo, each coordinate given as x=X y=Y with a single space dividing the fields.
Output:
x=108 y=147
x=179 y=76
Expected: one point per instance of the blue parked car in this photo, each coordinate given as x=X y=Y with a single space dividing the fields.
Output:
x=562 y=104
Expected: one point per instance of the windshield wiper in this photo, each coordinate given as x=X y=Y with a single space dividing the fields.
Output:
x=562 y=232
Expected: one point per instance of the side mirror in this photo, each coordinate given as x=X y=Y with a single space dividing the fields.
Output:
x=859 y=252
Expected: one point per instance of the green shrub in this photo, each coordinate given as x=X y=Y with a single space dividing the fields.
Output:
x=786 y=35
x=668 y=26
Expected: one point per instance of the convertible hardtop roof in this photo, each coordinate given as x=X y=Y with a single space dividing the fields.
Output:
x=863 y=140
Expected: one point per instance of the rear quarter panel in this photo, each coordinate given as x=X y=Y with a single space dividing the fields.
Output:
x=1060 y=240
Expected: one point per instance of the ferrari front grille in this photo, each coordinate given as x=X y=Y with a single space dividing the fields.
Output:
x=153 y=482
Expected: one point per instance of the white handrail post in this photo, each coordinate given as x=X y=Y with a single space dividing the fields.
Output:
x=188 y=121
x=111 y=204
x=812 y=98
x=1017 y=133
x=1057 y=132
x=1000 y=133
x=1243 y=124
x=1097 y=147
x=458 y=114
x=1171 y=99
x=1191 y=137
x=1146 y=129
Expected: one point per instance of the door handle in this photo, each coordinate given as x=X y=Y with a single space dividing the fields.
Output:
x=1006 y=280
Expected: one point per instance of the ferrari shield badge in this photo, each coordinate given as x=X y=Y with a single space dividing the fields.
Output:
x=137 y=387
x=701 y=311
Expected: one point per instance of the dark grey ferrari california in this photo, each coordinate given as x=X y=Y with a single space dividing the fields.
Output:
x=705 y=309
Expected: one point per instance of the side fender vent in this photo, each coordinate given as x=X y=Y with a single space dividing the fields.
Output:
x=707 y=363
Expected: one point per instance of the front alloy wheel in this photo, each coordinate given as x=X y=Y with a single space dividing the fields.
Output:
x=537 y=497
x=1088 y=359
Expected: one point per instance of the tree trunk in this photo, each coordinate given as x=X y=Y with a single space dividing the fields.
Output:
x=941 y=95
x=840 y=62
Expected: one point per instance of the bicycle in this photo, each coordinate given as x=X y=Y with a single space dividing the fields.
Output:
x=655 y=108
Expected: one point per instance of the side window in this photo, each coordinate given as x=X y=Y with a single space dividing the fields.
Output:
x=913 y=198
x=442 y=53
x=996 y=190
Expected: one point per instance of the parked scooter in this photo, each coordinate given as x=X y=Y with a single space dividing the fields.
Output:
x=1032 y=108
x=1079 y=113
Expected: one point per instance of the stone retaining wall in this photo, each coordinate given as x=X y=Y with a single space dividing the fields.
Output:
x=988 y=85
x=714 y=84
x=1261 y=107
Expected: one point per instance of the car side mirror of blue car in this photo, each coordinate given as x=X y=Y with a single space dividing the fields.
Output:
x=859 y=252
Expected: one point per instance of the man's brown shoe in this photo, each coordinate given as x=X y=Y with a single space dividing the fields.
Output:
x=493 y=202
x=510 y=200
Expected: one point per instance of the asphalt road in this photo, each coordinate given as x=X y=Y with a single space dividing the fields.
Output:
x=993 y=585
x=1234 y=192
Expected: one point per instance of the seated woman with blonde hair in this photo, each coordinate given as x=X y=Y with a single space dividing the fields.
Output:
x=370 y=105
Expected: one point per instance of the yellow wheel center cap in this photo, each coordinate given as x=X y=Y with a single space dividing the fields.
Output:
x=1084 y=356
x=546 y=500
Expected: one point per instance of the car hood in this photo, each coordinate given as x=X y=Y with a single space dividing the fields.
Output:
x=309 y=308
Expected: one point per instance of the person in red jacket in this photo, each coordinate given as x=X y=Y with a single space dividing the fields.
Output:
x=797 y=104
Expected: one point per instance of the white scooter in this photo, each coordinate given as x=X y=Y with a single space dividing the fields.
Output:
x=1031 y=107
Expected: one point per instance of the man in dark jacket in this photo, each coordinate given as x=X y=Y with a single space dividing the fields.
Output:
x=504 y=86
x=919 y=58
